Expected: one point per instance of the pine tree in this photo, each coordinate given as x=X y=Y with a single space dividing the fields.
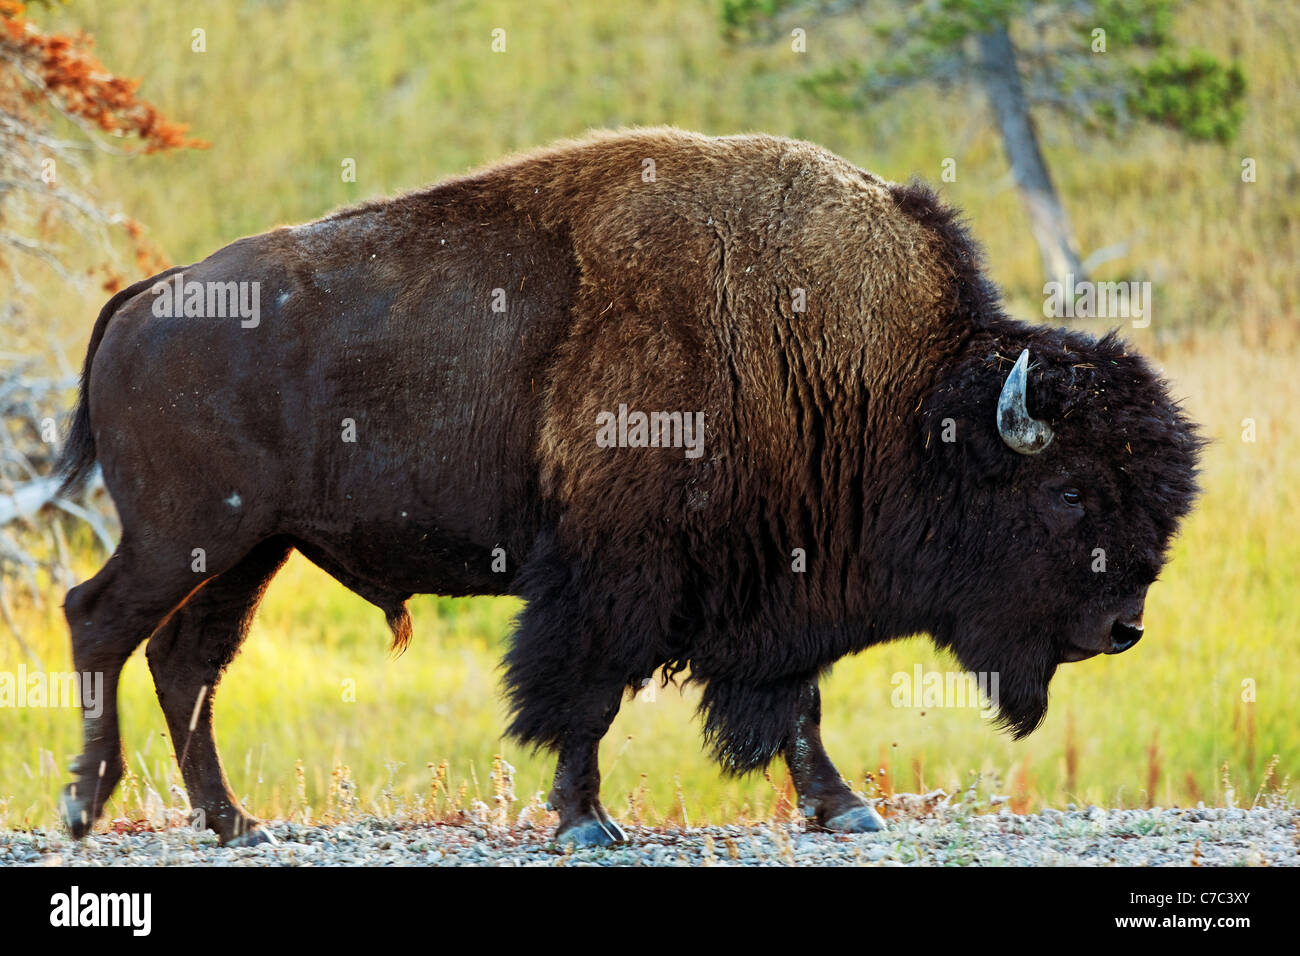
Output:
x=1103 y=64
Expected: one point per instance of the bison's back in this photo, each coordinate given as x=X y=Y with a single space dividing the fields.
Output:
x=425 y=378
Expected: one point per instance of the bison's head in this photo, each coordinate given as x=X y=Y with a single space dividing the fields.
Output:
x=1059 y=468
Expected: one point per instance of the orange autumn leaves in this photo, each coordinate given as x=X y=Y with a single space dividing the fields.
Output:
x=63 y=69
x=42 y=74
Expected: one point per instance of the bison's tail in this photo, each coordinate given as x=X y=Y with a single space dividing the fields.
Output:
x=77 y=459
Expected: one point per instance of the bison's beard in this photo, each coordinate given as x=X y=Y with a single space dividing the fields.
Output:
x=1023 y=710
x=1024 y=665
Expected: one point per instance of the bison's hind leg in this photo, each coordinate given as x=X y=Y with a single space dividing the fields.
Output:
x=108 y=616
x=187 y=657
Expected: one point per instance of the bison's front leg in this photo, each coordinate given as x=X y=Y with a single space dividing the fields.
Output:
x=565 y=680
x=575 y=795
x=187 y=656
x=823 y=794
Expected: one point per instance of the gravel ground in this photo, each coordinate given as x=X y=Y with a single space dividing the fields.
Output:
x=931 y=836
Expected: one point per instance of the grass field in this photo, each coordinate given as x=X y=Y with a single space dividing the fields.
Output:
x=287 y=90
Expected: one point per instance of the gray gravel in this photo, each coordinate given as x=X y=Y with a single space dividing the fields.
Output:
x=920 y=835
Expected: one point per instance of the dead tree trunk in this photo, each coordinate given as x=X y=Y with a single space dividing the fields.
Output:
x=1047 y=217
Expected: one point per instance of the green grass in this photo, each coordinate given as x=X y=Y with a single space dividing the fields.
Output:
x=412 y=92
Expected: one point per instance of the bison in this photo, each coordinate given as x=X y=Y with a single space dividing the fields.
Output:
x=726 y=407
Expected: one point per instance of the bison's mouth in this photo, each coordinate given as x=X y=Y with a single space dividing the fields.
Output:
x=1118 y=636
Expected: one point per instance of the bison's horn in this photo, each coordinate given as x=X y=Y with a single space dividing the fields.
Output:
x=1026 y=435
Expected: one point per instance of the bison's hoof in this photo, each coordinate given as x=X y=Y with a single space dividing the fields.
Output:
x=856 y=820
x=591 y=832
x=613 y=828
x=75 y=812
x=257 y=836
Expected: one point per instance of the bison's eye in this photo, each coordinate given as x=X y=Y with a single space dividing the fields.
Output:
x=1072 y=497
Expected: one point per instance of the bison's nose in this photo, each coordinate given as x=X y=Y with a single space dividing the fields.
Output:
x=1124 y=634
